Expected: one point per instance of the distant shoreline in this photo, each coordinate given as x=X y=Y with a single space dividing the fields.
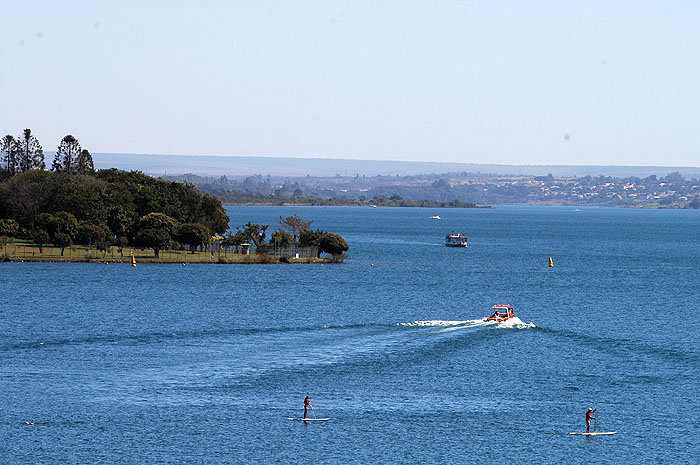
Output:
x=307 y=204
x=533 y=204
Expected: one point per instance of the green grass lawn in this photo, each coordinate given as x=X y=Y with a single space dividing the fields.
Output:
x=20 y=250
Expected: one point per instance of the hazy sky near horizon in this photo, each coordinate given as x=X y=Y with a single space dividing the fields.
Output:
x=510 y=82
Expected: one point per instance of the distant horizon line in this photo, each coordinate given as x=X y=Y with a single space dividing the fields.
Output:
x=390 y=161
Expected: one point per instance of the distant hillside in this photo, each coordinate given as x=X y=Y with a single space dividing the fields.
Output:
x=452 y=190
x=206 y=165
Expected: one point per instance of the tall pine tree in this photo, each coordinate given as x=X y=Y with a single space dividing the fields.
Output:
x=85 y=164
x=9 y=154
x=31 y=155
x=67 y=155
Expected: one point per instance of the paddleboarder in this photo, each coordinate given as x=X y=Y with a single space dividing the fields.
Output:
x=589 y=415
x=307 y=404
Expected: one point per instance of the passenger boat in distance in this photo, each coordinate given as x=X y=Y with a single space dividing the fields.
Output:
x=455 y=240
x=501 y=313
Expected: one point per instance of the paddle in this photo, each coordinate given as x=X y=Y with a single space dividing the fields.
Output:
x=312 y=410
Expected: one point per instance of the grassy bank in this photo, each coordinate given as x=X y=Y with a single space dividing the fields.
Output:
x=28 y=252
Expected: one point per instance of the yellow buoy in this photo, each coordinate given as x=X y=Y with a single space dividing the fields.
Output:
x=133 y=259
x=551 y=263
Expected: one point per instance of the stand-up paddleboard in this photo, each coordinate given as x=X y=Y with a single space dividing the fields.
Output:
x=309 y=419
x=596 y=433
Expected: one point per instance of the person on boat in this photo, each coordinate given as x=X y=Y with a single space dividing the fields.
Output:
x=307 y=404
x=589 y=415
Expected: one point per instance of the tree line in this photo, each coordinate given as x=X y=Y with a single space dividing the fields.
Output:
x=106 y=208
x=393 y=200
x=25 y=153
x=74 y=204
x=294 y=231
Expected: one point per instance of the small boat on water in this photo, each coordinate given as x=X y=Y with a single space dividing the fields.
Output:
x=455 y=240
x=435 y=217
x=501 y=313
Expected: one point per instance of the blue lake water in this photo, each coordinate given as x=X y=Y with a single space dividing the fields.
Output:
x=205 y=363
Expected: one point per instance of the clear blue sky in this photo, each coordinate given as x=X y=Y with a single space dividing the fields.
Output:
x=513 y=82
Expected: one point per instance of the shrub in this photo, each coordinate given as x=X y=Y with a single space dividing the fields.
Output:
x=333 y=244
x=9 y=227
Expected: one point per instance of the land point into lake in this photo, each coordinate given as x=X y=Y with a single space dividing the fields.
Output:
x=97 y=216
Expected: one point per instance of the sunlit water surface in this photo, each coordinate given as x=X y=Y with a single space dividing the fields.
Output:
x=206 y=363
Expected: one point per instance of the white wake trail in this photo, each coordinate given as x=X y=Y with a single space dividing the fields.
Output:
x=454 y=325
x=516 y=323
x=437 y=323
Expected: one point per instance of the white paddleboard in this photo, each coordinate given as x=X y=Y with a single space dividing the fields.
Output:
x=309 y=419
x=596 y=433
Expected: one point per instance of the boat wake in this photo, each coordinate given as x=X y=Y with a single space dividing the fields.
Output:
x=516 y=323
x=449 y=325
x=438 y=323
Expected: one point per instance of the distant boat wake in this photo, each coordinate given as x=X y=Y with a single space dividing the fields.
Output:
x=448 y=325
